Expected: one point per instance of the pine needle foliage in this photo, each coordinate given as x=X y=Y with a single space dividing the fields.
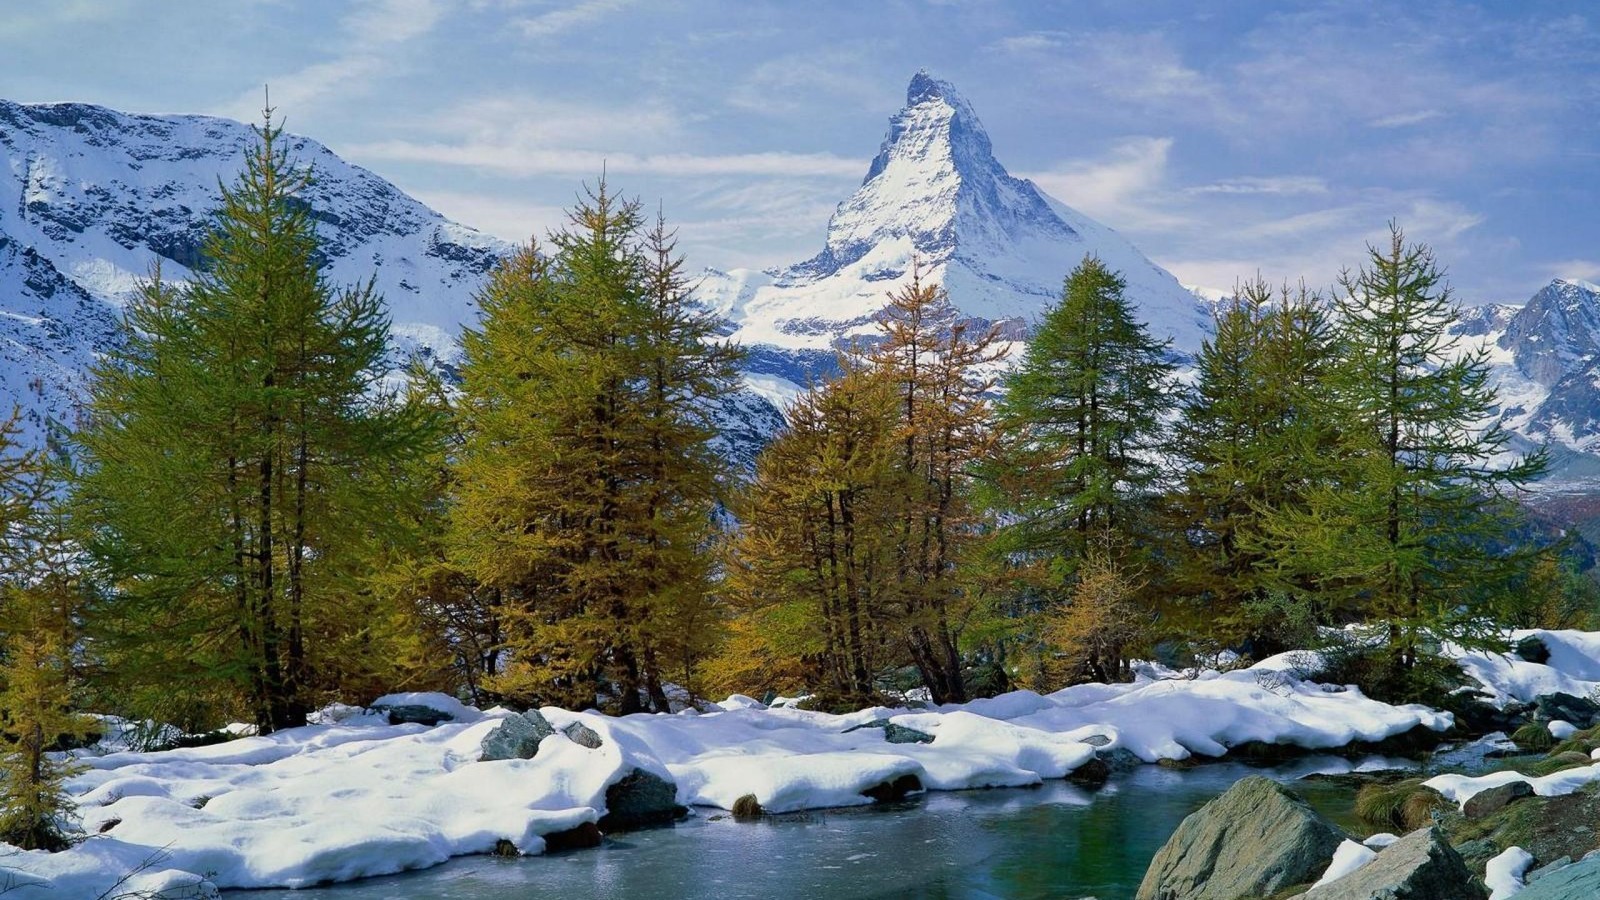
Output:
x=238 y=467
x=587 y=488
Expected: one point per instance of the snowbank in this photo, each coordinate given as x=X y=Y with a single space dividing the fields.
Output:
x=1573 y=667
x=354 y=796
x=1461 y=788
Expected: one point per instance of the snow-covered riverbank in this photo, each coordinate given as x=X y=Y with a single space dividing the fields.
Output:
x=360 y=797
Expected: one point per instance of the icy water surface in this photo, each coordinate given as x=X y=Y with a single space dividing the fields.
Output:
x=1054 y=841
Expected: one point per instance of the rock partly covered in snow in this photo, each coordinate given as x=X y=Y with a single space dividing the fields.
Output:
x=1252 y=841
x=516 y=737
x=1419 y=866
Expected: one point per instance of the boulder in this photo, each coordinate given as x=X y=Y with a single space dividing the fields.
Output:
x=1580 y=711
x=1119 y=759
x=581 y=838
x=1532 y=649
x=890 y=791
x=1488 y=802
x=1093 y=773
x=516 y=737
x=640 y=800
x=1581 y=879
x=408 y=713
x=1419 y=866
x=583 y=735
x=1252 y=841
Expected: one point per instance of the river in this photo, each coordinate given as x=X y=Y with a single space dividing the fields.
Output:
x=1056 y=841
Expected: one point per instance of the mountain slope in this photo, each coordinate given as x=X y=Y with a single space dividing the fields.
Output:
x=91 y=198
x=936 y=195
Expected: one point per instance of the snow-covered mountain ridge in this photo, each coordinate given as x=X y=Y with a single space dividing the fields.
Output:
x=91 y=198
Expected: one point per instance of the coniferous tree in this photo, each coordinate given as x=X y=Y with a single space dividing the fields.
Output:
x=1255 y=436
x=1411 y=532
x=1081 y=430
x=39 y=606
x=586 y=487
x=940 y=375
x=237 y=469
x=815 y=578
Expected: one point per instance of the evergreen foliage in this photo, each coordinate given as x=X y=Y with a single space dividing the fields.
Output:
x=586 y=489
x=1410 y=531
x=39 y=604
x=238 y=470
x=1082 y=431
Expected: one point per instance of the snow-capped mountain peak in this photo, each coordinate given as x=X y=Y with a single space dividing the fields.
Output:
x=935 y=196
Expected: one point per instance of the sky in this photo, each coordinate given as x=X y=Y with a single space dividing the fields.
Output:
x=1224 y=139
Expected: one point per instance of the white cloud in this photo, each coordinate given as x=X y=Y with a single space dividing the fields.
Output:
x=1254 y=184
x=504 y=217
x=568 y=17
x=520 y=161
x=370 y=35
x=1576 y=270
x=1119 y=188
x=1402 y=120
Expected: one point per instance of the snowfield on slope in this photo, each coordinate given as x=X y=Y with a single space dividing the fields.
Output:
x=360 y=797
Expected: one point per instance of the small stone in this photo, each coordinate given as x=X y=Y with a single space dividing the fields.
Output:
x=1580 y=711
x=582 y=735
x=900 y=734
x=1254 y=840
x=1419 y=866
x=1093 y=773
x=1546 y=869
x=640 y=800
x=747 y=808
x=516 y=737
x=1532 y=649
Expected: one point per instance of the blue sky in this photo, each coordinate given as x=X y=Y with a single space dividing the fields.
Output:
x=1223 y=138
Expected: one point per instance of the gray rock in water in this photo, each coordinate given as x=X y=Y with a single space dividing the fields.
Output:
x=1252 y=841
x=516 y=737
x=1490 y=801
x=640 y=800
x=1580 y=711
x=1120 y=759
x=1419 y=866
x=1581 y=879
x=583 y=735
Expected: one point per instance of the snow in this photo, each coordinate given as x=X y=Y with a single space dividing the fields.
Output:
x=1503 y=874
x=1573 y=667
x=1381 y=840
x=1561 y=730
x=354 y=796
x=1349 y=857
x=1461 y=788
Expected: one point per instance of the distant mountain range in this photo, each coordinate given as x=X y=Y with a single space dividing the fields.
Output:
x=91 y=198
